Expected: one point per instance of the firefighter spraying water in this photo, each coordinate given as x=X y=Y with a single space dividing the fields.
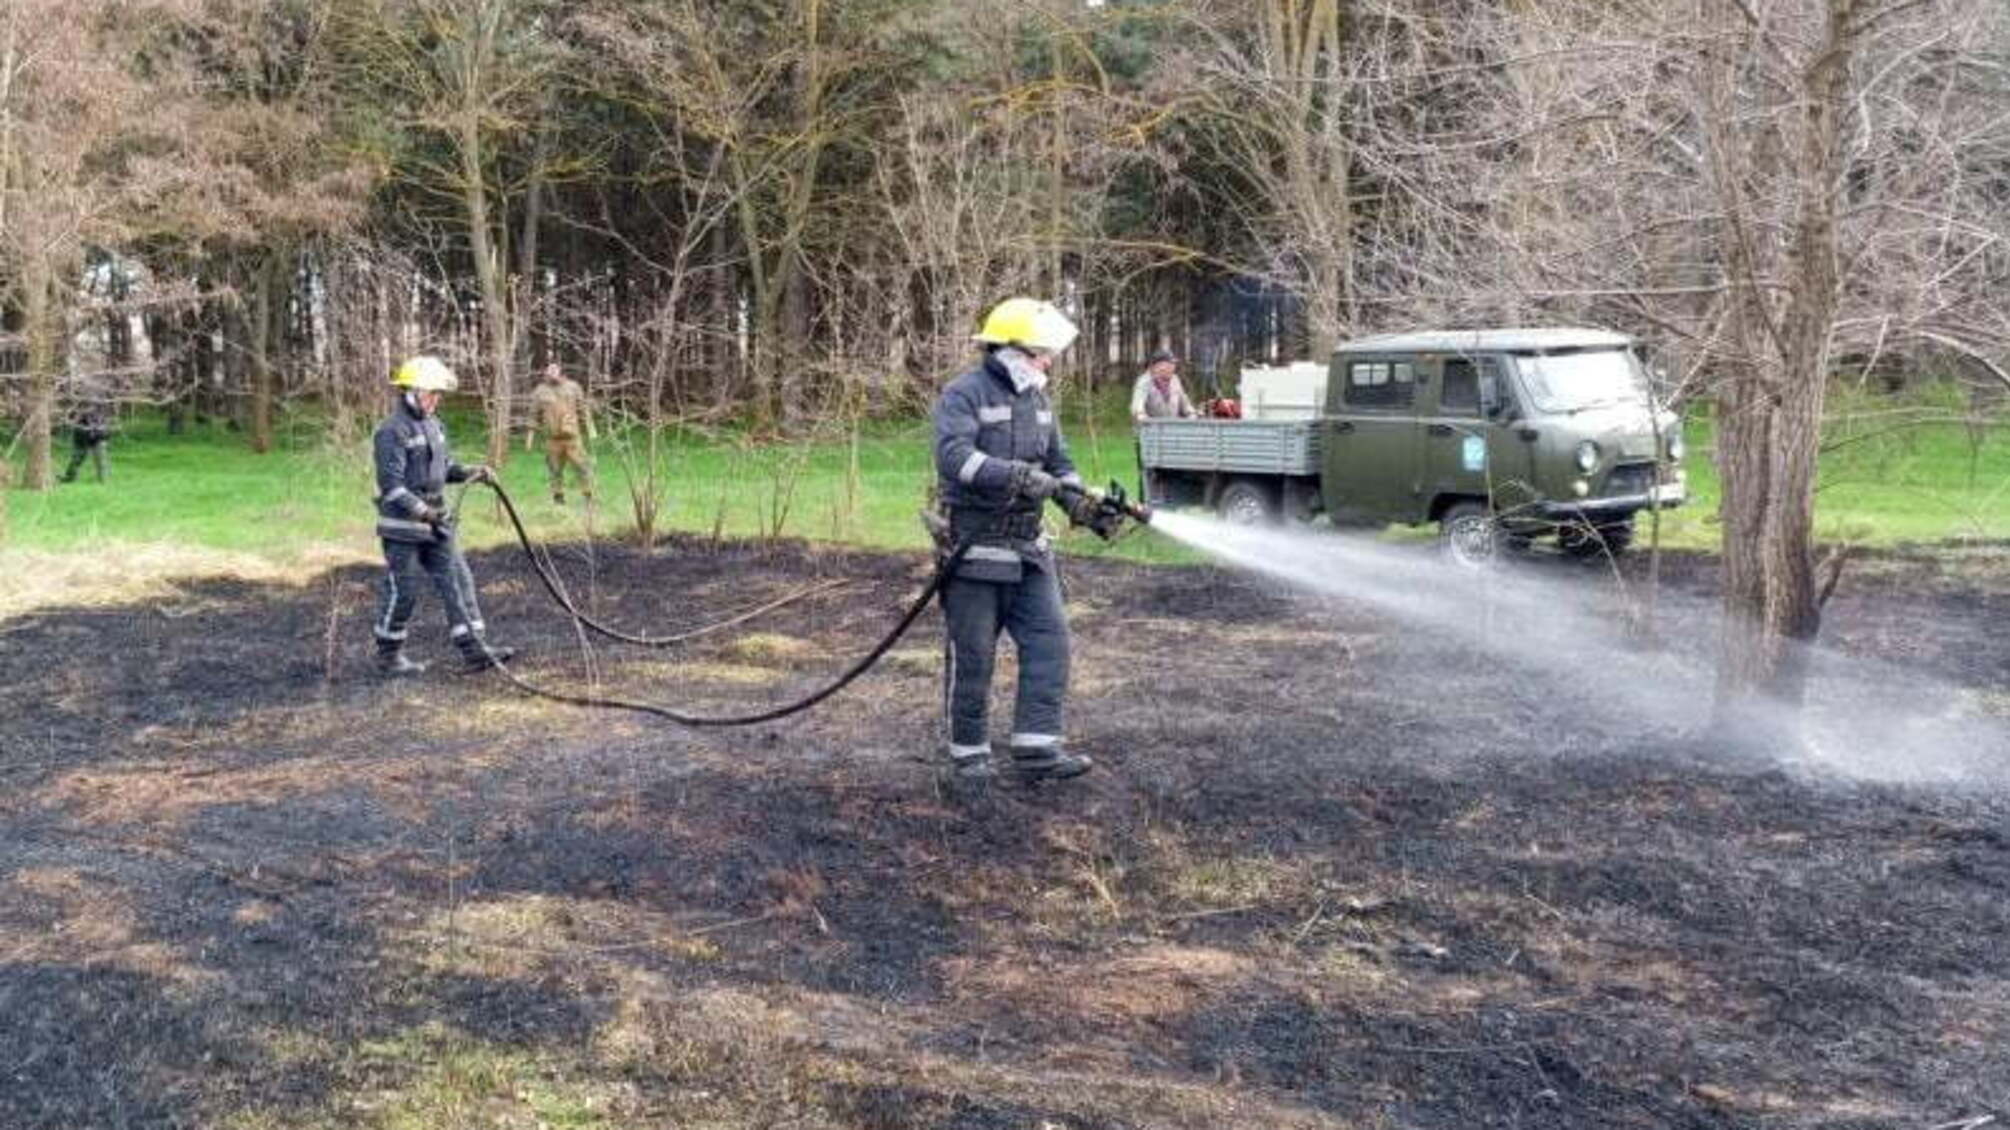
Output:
x=999 y=456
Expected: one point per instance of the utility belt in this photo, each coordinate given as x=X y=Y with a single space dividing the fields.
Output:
x=396 y=527
x=436 y=501
x=1015 y=525
x=1003 y=543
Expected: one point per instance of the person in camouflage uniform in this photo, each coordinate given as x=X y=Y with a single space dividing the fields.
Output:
x=559 y=410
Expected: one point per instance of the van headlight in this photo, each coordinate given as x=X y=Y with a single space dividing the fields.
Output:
x=1587 y=457
x=1676 y=448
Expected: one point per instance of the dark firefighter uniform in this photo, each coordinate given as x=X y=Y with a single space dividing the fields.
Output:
x=998 y=455
x=413 y=469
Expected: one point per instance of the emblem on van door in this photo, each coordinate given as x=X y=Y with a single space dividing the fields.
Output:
x=1473 y=453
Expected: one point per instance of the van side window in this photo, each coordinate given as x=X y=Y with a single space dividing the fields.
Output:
x=1380 y=384
x=1459 y=394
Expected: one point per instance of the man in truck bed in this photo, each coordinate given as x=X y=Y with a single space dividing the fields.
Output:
x=1158 y=394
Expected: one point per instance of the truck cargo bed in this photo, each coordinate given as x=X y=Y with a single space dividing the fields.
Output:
x=1256 y=447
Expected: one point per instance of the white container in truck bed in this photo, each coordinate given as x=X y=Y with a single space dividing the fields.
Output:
x=1283 y=392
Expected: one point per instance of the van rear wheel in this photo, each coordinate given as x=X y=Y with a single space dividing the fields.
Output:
x=1247 y=503
x=1469 y=535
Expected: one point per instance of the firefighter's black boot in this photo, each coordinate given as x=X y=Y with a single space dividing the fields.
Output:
x=968 y=776
x=391 y=661
x=1048 y=763
x=477 y=654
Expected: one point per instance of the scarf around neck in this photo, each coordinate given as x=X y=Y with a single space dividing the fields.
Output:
x=1019 y=366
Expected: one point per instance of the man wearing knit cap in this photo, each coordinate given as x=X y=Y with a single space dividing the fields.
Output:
x=1158 y=394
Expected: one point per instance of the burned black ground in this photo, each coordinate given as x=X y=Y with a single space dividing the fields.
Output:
x=1333 y=872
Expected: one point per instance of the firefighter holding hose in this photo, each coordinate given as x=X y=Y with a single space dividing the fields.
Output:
x=999 y=458
x=417 y=531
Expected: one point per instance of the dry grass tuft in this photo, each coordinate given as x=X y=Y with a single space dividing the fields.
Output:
x=913 y=661
x=773 y=649
x=525 y=937
x=1158 y=982
x=129 y=572
x=87 y=919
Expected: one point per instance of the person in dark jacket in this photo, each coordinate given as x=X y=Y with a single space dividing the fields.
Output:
x=413 y=470
x=998 y=457
x=89 y=431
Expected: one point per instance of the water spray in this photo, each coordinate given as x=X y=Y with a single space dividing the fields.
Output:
x=1866 y=718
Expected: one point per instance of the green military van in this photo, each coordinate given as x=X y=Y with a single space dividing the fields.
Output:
x=1500 y=436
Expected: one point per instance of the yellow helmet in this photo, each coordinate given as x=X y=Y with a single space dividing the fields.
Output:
x=1027 y=322
x=425 y=373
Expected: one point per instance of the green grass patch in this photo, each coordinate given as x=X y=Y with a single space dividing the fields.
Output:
x=1883 y=481
x=436 y=1078
x=1893 y=471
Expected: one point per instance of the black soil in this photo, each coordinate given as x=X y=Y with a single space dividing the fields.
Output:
x=1330 y=871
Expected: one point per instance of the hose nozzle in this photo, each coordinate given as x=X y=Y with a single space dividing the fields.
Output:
x=1117 y=502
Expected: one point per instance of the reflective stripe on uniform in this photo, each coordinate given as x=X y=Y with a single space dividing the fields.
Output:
x=968 y=472
x=1035 y=741
x=994 y=414
x=949 y=682
x=405 y=524
x=991 y=553
x=383 y=628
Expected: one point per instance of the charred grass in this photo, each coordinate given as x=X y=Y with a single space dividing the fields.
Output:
x=1314 y=884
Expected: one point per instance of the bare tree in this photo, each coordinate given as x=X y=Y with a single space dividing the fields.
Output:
x=1763 y=186
x=1273 y=88
x=108 y=142
x=475 y=77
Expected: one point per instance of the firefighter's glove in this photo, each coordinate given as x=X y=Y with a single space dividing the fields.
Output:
x=440 y=520
x=1031 y=482
x=1085 y=508
x=939 y=532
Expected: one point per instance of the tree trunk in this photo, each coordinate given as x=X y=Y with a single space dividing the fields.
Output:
x=795 y=334
x=38 y=325
x=1770 y=426
x=719 y=349
x=524 y=287
x=488 y=276
x=260 y=333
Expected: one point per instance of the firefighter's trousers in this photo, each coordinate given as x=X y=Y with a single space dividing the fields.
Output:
x=1029 y=610
x=407 y=564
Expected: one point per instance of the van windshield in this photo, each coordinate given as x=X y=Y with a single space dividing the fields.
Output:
x=1579 y=379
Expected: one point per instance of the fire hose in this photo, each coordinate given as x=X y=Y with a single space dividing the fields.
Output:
x=1113 y=504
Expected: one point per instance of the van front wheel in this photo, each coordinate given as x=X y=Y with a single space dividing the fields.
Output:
x=1469 y=535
